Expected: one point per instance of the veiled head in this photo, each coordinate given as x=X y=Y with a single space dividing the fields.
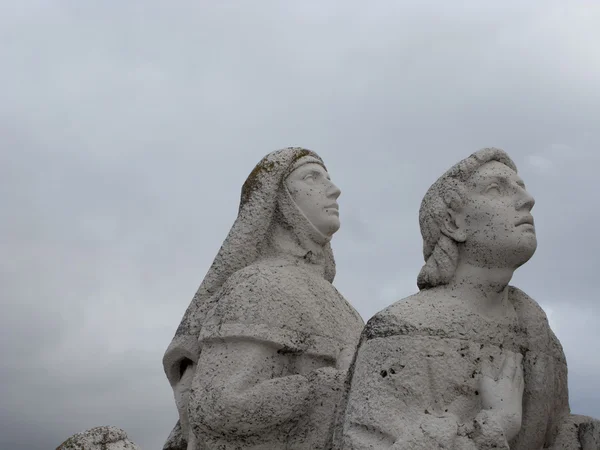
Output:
x=315 y=195
x=290 y=186
x=479 y=211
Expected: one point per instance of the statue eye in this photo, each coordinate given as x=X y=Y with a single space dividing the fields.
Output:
x=309 y=177
x=493 y=188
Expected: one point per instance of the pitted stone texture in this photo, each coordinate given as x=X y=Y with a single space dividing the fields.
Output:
x=418 y=371
x=589 y=434
x=176 y=440
x=578 y=433
x=287 y=336
x=99 y=438
x=261 y=354
x=469 y=362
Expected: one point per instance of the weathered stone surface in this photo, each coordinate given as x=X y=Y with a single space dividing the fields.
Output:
x=99 y=438
x=176 y=440
x=261 y=354
x=589 y=434
x=469 y=362
x=578 y=433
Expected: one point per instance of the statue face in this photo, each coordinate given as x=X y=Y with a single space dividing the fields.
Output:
x=497 y=224
x=315 y=195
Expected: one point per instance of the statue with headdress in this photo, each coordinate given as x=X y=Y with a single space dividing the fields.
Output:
x=261 y=354
x=469 y=362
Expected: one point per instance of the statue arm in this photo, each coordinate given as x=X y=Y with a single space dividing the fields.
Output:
x=252 y=373
x=243 y=387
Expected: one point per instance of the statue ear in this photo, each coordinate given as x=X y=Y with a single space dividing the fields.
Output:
x=454 y=225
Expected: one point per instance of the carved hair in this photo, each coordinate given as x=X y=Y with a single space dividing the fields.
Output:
x=448 y=192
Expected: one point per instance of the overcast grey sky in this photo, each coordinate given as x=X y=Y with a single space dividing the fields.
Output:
x=128 y=127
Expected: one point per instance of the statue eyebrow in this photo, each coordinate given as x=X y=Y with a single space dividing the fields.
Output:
x=318 y=172
x=504 y=180
x=495 y=179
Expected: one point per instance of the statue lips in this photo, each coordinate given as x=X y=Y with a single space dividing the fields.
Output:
x=526 y=220
x=334 y=207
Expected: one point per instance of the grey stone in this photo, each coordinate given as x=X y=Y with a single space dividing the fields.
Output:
x=261 y=354
x=589 y=434
x=99 y=438
x=176 y=440
x=468 y=362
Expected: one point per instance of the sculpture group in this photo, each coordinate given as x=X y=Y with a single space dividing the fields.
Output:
x=270 y=356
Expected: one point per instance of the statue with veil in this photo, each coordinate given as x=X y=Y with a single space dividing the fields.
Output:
x=261 y=354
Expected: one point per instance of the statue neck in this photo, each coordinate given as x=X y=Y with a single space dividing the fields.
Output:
x=283 y=242
x=485 y=288
x=292 y=235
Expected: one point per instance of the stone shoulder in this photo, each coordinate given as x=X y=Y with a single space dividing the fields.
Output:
x=525 y=304
x=263 y=276
x=285 y=282
x=423 y=313
x=254 y=290
x=533 y=319
x=286 y=306
x=433 y=313
x=283 y=296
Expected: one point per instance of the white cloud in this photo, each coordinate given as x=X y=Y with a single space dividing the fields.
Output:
x=541 y=164
x=128 y=129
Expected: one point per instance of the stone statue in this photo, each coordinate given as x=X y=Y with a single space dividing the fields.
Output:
x=99 y=438
x=261 y=354
x=468 y=362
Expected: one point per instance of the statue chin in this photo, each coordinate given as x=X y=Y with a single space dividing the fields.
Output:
x=330 y=227
x=525 y=250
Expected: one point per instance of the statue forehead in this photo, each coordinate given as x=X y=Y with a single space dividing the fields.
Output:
x=308 y=167
x=491 y=170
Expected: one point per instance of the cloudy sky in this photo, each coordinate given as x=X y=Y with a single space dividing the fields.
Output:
x=128 y=127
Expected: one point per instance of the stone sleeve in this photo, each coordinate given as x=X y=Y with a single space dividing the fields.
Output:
x=245 y=382
x=237 y=392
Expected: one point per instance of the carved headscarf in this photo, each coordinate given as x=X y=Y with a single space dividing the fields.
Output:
x=242 y=247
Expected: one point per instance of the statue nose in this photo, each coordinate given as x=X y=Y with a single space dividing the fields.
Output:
x=334 y=191
x=526 y=202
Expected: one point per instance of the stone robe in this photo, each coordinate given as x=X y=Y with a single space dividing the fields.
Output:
x=309 y=333
x=414 y=382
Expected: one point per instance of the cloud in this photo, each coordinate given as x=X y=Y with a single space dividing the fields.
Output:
x=541 y=163
x=128 y=128
x=560 y=157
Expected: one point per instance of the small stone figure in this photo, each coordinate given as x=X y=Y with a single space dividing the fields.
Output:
x=99 y=438
x=261 y=354
x=468 y=362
